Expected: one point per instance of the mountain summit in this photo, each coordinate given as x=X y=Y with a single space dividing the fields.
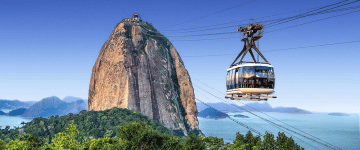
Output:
x=139 y=69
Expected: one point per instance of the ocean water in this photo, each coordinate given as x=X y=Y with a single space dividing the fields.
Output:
x=340 y=131
x=12 y=121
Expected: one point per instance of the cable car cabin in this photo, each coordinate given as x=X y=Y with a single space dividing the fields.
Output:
x=250 y=81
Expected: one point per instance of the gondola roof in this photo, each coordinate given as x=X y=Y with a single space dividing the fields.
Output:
x=249 y=64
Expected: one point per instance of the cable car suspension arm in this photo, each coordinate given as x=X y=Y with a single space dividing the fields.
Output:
x=249 y=42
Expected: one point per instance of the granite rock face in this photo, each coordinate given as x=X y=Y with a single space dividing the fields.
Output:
x=139 y=69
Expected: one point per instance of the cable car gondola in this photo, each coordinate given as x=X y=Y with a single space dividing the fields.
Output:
x=250 y=80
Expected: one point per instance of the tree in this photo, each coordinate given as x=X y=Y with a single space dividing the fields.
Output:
x=194 y=143
x=269 y=141
x=213 y=142
x=2 y=144
x=27 y=141
x=104 y=144
x=283 y=142
x=137 y=135
x=68 y=140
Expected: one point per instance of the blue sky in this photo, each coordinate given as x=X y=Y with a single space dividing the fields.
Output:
x=49 y=47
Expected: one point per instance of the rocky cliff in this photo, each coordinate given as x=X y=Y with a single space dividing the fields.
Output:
x=139 y=69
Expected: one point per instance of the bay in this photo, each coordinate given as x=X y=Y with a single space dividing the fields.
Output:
x=12 y=121
x=340 y=131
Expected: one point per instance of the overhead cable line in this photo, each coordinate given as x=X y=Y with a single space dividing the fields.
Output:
x=314 y=21
x=221 y=106
x=221 y=33
x=282 y=49
x=277 y=29
x=267 y=120
x=329 y=11
x=270 y=116
x=306 y=15
x=209 y=14
x=313 y=46
x=239 y=21
x=251 y=129
x=283 y=131
x=313 y=9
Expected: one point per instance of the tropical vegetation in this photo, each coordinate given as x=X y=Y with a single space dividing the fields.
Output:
x=138 y=135
x=120 y=129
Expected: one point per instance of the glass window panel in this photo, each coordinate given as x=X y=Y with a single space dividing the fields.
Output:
x=227 y=80
x=271 y=73
x=249 y=72
x=261 y=71
x=232 y=79
x=236 y=78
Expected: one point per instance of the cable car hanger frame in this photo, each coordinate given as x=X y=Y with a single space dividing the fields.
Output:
x=249 y=44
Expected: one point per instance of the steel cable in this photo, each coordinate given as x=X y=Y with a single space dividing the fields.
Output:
x=268 y=120
x=270 y=116
x=209 y=14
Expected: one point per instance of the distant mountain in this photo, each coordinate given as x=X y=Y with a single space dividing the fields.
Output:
x=52 y=106
x=17 y=112
x=70 y=99
x=292 y=110
x=338 y=114
x=253 y=107
x=14 y=104
x=2 y=113
x=219 y=106
x=264 y=107
x=212 y=114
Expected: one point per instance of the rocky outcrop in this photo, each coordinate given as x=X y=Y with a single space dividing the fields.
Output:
x=139 y=69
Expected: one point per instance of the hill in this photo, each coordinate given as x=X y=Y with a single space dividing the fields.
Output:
x=52 y=106
x=292 y=110
x=14 y=104
x=70 y=99
x=96 y=124
x=212 y=114
x=17 y=112
x=256 y=106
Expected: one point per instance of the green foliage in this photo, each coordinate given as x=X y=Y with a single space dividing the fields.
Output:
x=104 y=144
x=194 y=143
x=140 y=136
x=2 y=144
x=269 y=141
x=283 y=142
x=25 y=142
x=213 y=143
x=254 y=142
x=96 y=124
x=68 y=140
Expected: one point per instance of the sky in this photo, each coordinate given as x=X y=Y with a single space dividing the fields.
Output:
x=48 y=48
